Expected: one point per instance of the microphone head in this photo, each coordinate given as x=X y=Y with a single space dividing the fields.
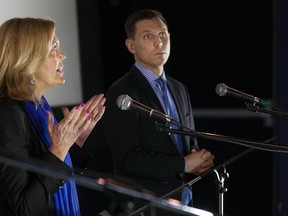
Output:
x=124 y=102
x=221 y=89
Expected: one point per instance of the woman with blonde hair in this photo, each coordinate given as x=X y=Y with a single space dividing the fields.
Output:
x=31 y=63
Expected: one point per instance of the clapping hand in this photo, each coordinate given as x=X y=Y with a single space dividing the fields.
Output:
x=76 y=125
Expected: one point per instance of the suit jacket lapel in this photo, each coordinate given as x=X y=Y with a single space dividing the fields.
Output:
x=147 y=90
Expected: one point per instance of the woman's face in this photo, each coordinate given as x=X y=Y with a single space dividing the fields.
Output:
x=50 y=74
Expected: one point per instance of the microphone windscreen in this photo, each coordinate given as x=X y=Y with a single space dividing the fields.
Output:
x=124 y=102
x=221 y=89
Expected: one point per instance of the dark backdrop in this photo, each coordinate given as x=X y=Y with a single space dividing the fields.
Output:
x=211 y=42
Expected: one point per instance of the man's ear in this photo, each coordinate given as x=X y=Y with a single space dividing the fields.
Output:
x=130 y=46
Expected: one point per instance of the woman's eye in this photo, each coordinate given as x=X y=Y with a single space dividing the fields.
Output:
x=54 y=49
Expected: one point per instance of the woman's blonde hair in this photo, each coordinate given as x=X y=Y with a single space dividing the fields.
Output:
x=25 y=43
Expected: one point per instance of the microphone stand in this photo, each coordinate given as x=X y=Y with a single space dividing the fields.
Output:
x=221 y=177
x=273 y=110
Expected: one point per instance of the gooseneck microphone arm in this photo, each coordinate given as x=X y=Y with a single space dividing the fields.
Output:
x=124 y=102
x=252 y=103
x=238 y=141
x=273 y=110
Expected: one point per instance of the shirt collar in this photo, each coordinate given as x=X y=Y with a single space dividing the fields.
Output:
x=150 y=76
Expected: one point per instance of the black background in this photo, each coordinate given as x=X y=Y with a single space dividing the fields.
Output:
x=211 y=42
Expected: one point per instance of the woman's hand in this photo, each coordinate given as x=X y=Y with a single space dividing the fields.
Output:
x=75 y=126
x=95 y=107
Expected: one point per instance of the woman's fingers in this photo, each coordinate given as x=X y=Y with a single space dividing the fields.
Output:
x=65 y=111
x=50 y=121
x=94 y=107
x=95 y=104
x=78 y=122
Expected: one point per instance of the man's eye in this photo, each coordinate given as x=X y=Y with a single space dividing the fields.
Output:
x=147 y=37
x=163 y=35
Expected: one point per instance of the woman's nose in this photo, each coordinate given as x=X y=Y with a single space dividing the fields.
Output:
x=62 y=55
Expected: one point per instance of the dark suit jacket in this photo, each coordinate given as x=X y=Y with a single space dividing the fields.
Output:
x=23 y=192
x=139 y=150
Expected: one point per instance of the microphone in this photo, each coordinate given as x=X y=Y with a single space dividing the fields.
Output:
x=224 y=90
x=125 y=102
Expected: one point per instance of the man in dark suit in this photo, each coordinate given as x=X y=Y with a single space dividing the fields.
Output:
x=140 y=152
